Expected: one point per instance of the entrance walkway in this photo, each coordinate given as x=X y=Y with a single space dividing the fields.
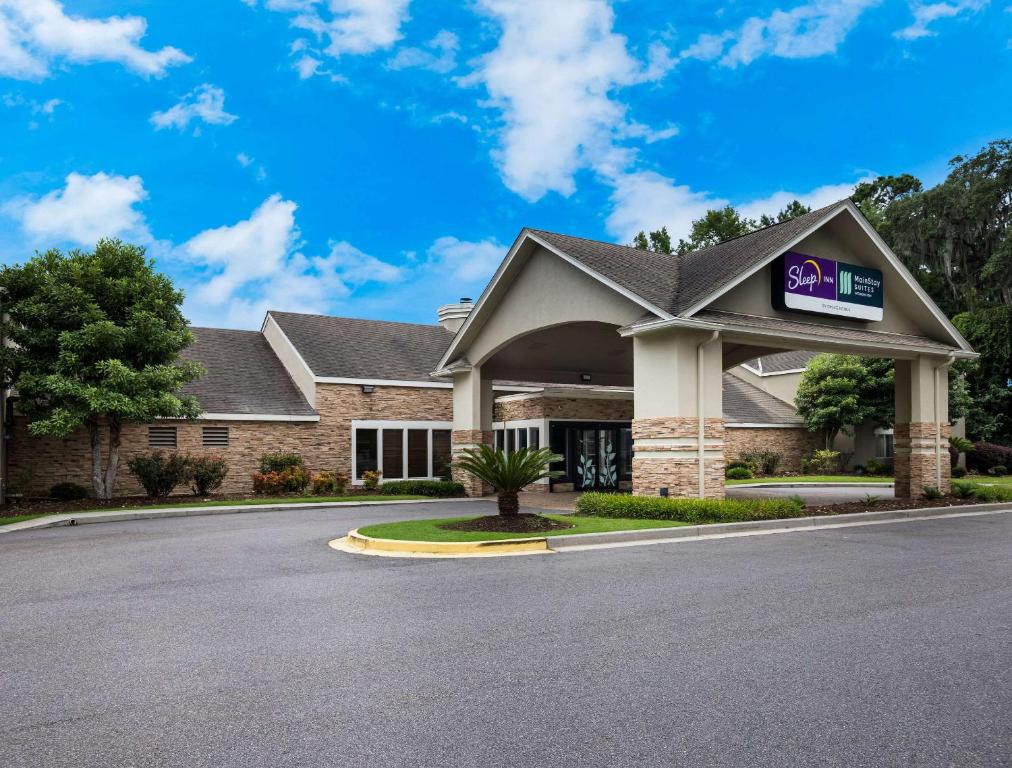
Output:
x=558 y=502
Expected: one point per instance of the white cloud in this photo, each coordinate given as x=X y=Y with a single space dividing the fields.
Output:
x=552 y=76
x=85 y=210
x=205 y=102
x=814 y=198
x=438 y=55
x=463 y=262
x=926 y=13
x=34 y=34
x=307 y=66
x=350 y=27
x=809 y=30
x=647 y=200
x=354 y=268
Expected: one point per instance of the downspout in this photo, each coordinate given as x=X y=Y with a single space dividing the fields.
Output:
x=938 y=419
x=700 y=414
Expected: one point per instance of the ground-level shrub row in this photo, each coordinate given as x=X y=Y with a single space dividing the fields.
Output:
x=990 y=494
x=437 y=488
x=688 y=510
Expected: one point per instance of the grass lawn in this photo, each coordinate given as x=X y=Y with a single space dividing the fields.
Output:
x=220 y=503
x=816 y=479
x=429 y=530
x=990 y=480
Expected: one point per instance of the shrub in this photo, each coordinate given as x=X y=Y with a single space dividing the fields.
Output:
x=963 y=490
x=806 y=465
x=688 y=510
x=984 y=456
x=159 y=473
x=371 y=480
x=825 y=462
x=437 y=488
x=932 y=492
x=294 y=480
x=206 y=473
x=999 y=470
x=267 y=482
x=739 y=473
x=738 y=464
x=329 y=483
x=876 y=467
x=279 y=462
x=959 y=471
x=68 y=492
x=992 y=493
x=765 y=462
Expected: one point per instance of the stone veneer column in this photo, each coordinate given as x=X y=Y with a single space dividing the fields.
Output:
x=677 y=374
x=920 y=447
x=666 y=455
x=472 y=422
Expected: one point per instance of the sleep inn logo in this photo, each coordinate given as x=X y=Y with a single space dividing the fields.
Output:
x=806 y=283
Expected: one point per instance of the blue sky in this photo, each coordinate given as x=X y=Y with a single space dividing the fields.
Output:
x=375 y=158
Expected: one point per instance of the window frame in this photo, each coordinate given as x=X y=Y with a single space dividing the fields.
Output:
x=404 y=426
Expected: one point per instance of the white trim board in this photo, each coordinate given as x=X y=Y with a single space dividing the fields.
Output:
x=255 y=417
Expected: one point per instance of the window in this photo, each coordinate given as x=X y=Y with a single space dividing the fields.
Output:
x=215 y=437
x=535 y=437
x=418 y=453
x=366 y=451
x=521 y=438
x=883 y=443
x=500 y=439
x=393 y=454
x=161 y=437
x=400 y=449
x=511 y=440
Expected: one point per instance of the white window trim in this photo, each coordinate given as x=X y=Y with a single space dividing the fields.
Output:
x=883 y=432
x=404 y=426
x=528 y=424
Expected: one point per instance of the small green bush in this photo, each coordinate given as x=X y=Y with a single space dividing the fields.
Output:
x=688 y=510
x=738 y=464
x=159 y=473
x=279 y=462
x=963 y=490
x=825 y=462
x=999 y=470
x=371 y=480
x=992 y=493
x=762 y=461
x=68 y=492
x=876 y=467
x=932 y=492
x=205 y=473
x=739 y=473
x=435 y=488
x=329 y=483
x=959 y=471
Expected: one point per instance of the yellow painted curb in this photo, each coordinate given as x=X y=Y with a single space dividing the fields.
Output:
x=367 y=545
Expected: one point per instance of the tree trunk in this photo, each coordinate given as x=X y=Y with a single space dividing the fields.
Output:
x=97 y=479
x=115 y=435
x=509 y=504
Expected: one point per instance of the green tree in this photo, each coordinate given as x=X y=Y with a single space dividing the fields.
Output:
x=96 y=338
x=790 y=211
x=658 y=241
x=508 y=475
x=839 y=391
x=716 y=226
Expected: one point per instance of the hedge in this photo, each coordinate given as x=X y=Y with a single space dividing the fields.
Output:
x=438 y=488
x=987 y=493
x=985 y=456
x=688 y=510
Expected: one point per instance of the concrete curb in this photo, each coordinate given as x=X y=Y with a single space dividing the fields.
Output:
x=581 y=540
x=367 y=545
x=85 y=518
x=811 y=485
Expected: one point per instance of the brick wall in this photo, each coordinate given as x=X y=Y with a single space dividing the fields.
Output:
x=666 y=457
x=584 y=408
x=914 y=463
x=793 y=443
x=35 y=464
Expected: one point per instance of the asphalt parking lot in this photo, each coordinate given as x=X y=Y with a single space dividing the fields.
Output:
x=243 y=640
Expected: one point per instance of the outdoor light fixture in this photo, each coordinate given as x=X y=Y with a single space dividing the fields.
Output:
x=367 y=389
x=585 y=378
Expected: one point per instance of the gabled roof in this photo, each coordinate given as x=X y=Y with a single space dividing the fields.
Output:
x=782 y=362
x=243 y=375
x=745 y=403
x=351 y=348
x=675 y=283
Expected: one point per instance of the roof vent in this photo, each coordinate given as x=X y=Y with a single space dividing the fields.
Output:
x=452 y=316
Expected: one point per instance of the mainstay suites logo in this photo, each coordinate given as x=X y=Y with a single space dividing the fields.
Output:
x=803 y=283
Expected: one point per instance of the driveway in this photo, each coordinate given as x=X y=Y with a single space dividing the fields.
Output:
x=243 y=640
x=824 y=494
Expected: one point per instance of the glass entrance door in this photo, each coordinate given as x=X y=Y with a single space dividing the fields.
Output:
x=596 y=457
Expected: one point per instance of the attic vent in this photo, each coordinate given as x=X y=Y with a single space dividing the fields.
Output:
x=215 y=437
x=161 y=437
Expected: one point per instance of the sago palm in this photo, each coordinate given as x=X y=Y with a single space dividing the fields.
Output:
x=508 y=475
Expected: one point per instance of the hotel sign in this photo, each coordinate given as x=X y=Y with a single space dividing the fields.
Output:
x=803 y=283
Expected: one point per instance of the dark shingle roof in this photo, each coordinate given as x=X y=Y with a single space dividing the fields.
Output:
x=781 y=362
x=243 y=375
x=344 y=347
x=675 y=283
x=745 y=403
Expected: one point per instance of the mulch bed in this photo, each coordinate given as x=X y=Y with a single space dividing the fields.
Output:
x=523 y=523
x=51 y=507
x=888 y=505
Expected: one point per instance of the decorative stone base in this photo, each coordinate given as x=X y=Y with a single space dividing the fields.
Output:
x=666 y=456
x=469 y=438
x=914 y=462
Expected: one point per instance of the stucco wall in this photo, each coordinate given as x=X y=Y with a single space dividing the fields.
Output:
x=35 y=464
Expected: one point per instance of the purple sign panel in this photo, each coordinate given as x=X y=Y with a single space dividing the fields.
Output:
x=804 y=283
